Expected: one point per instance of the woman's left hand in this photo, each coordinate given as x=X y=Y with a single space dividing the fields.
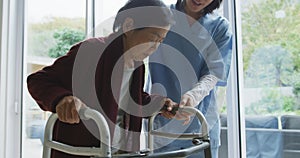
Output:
x=166 y=111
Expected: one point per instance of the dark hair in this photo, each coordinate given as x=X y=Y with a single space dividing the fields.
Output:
x=144 y=13
x=215 y=4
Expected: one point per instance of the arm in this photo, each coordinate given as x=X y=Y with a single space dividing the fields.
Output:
x=52 y=87
x=201 y=89
x=48 y=86
x=157 y=103
x=222 y=38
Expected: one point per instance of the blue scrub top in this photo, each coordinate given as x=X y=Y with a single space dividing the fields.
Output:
x=189 y=52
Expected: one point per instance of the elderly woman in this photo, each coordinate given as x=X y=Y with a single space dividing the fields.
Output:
x=106 y=74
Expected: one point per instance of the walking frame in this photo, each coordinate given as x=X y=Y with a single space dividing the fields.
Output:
x=200 y=140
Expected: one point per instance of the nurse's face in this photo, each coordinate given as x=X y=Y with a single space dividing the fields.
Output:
x=141 y=43
x=196 y=6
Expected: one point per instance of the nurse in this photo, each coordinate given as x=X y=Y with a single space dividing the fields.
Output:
x=192 y=60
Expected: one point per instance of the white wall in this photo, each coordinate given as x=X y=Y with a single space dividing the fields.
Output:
x=2 y=88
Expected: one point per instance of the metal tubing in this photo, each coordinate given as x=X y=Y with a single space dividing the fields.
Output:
x=105 y=151
x=85 y=113
x=199 y=115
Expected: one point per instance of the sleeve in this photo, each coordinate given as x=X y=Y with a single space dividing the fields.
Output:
x=217 y=76
x=52 y=83
x=223 y=40
x=202 y=88
x=152 y=104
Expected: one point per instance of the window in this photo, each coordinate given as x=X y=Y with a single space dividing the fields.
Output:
x=268 y=70
x=270 y=78
x=105 y=12
x=50 y=30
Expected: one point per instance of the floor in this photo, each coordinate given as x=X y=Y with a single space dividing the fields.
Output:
x=32 y=148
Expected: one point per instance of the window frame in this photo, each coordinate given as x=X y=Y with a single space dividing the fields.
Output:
x=12 y=40
x=235 y=112
x=11 y=77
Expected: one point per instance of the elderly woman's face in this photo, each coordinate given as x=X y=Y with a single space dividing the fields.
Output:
x=142 y=43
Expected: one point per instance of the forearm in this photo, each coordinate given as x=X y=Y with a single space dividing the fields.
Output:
x=46 y=93
x=202 y=88
x=152 y=104
x=49 y=85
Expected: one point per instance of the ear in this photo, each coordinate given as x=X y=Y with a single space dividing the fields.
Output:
x=127 y=25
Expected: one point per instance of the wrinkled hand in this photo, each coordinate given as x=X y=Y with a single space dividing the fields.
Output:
x=67 y=109
x=186 y=100
x=166 y=111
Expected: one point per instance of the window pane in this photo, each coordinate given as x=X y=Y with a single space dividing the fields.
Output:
x=105 y=12
x=270 y=41
x=50 y=31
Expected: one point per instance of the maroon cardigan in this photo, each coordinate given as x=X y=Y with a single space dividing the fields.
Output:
x=92 y=71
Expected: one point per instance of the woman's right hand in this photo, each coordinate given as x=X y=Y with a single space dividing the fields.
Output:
x=67 y=109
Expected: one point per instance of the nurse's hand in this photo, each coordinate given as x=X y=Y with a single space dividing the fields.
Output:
x=186 y=100
x=67 y=109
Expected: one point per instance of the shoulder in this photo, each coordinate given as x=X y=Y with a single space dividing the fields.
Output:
x=87 y=42
x=99 y=42
x=94 y=40
x=217 y=25
x=86 y=46
x=102 y=40
x=216 y=20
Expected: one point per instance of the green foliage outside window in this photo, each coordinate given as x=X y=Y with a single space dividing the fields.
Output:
x=65 y=38
x=270 y=22
x=270 y=66
x=41 y=35
x=271 y=55
x=271 y=35
x=296 y=89
x=273 y=103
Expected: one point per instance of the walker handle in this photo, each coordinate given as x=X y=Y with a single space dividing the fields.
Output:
x=203 y=135
x=85 y=113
